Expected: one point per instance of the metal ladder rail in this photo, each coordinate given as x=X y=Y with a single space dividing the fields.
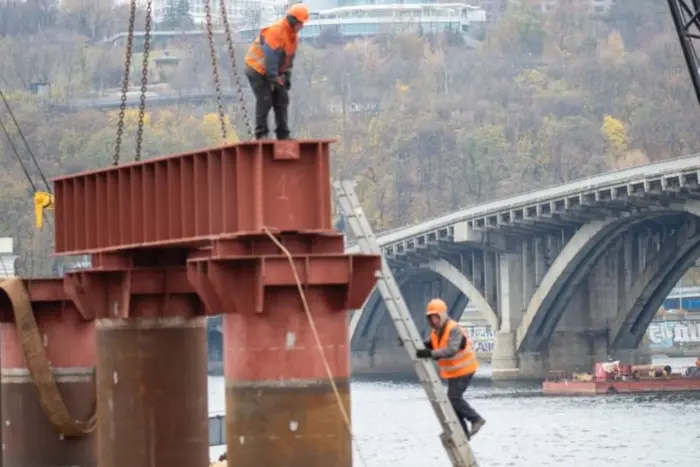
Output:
x=453 y=438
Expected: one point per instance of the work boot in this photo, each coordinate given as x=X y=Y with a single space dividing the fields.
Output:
x=262 y=135
x=476 y=426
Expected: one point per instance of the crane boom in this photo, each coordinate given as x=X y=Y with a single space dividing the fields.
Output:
x=686 y=20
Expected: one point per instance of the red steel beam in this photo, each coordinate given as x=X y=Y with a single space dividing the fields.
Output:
x=188 y=199
x=183 y=236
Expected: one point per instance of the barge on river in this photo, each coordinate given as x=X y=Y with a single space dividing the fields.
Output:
x=614 y=378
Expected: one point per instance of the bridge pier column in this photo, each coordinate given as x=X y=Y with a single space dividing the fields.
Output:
x=504 y=359
x=504 y=362
x=581 y=336
x=529 y=279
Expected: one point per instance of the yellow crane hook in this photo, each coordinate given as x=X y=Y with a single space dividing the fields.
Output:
x=42 y=201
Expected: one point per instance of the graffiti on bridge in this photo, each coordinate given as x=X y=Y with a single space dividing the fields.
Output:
x=481 y=338
x=669 y=334
x=661 y=334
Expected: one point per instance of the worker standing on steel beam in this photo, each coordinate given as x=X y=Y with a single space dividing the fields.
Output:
x=269 y=69
x=449 y=345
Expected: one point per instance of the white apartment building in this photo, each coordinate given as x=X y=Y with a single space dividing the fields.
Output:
x=263 y=11
x=7 y=257
x=495 y=8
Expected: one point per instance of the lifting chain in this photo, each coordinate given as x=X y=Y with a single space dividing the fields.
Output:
x=215 y=68
x=232 y=58
x=144 y=78
x=125 y=82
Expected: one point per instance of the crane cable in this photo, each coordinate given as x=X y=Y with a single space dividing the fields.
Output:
x=234 y=67
x=30 y=337
x=26 y=144
x=215 y=68
x=125 y=81
x=17 y=156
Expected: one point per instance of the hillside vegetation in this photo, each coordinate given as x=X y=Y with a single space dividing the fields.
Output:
x=425 y=125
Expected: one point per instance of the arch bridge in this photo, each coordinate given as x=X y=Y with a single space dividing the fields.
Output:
x=567 y=275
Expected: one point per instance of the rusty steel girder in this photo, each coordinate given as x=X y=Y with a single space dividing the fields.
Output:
x=255 y=264
x=242 y=230
x=190 y=198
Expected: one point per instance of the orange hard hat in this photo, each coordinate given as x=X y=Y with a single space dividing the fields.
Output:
x=299 y=11
x=436 y=306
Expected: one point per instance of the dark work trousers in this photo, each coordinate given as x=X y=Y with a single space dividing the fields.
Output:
x=268 y=97
x=455 y=393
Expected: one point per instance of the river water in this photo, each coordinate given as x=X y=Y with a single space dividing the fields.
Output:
x=394 y=425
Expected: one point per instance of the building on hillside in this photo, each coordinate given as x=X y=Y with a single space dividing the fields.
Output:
x=241 y=13
x=363 y=21
x=596 y=6
x=495 y=8
x=7 y=257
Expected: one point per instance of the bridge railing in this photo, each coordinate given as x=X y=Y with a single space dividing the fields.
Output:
x=614 y=178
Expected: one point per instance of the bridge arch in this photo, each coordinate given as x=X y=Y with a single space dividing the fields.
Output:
x=465 y=286
x=569 y=269
x=629 y=332
x=441 y=268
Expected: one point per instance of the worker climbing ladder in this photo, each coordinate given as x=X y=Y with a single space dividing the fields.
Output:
x=453 y=437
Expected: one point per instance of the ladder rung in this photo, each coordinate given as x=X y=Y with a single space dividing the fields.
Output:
x=453 y=438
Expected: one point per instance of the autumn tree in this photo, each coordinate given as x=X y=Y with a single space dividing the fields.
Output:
x=177 y=15
x=425 y=124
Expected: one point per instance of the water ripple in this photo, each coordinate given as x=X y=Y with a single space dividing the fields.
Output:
x=395 y=426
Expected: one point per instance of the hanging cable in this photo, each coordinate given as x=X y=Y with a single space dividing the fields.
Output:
x=319 y=344
x=16 y=152
x=17 y=156
x=24 y=140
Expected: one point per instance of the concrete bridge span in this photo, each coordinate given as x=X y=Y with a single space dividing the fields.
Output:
x=567 y=275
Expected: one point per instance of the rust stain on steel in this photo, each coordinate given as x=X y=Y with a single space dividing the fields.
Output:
x=288 y=426
x=29 y=438
x=133 y=293
x=189 y=198
x=278 y=345
x=281 y=409
x=42 y=292
x=152 y=394
x=68 y=340
x=260 y=271
x=301 y=243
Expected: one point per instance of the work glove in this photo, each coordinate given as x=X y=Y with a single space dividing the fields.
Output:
x=424 y=353
x=287 y=80
x=277 y=83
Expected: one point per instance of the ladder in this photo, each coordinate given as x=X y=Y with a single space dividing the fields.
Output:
x=453 y=437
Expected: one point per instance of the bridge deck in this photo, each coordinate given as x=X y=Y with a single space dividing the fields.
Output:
x=675 y=174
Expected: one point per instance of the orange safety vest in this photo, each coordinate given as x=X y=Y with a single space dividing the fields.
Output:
x=278 y=36
x=462 y=363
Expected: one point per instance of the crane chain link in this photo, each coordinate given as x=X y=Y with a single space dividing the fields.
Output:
x=236 y=74
x=144 y=78
x=215 y=68
x=125 y=82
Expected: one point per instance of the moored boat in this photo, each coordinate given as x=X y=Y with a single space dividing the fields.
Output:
x=616 y=378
